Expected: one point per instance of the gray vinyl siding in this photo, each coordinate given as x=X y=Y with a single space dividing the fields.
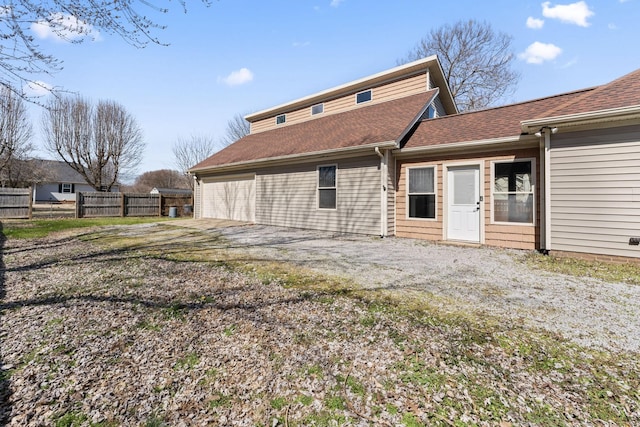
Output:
x=595 y=191
x=197 y=203
x=437 y=104
x=287 y=197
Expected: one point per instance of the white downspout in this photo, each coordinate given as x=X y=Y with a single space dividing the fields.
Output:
x=547 y=189
x=383 y=192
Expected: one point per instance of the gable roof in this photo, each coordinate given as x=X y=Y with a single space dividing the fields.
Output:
x=368 y=125
x=59 y=172
x=430 y=64
x=492 y=123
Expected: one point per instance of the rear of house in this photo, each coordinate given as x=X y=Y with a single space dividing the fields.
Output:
x=390 y=155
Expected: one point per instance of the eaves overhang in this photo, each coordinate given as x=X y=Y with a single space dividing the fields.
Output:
x=582 y=119
x=299 y=158
x=466 y=145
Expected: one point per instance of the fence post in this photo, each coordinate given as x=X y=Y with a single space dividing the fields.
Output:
x=160 y=204
x=30 y=202
x=78 y=204
x=122 y=205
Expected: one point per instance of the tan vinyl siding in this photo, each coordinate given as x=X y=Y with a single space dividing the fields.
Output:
x=502 y=235
x=386 y=92
x=595 y=191
x=288 y=197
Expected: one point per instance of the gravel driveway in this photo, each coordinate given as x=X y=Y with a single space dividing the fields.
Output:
x=483 y=281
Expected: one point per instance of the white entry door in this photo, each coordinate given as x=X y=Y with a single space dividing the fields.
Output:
x=464 y=203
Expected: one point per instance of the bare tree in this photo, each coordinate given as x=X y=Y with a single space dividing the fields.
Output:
x=189 y=152
x=162 y=178
x=237 y=128
x=103 y=143
x=476 y=61
x=72 y=20
x=15 y=133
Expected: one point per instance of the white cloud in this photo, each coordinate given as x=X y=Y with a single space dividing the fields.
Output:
x=537 y=53
x=574 y=13
x=336 y=3
x=534 y=23
x=301 y=44
x=236 y=78
x=5 y=10
x=37 y=88
x=64 y=27
x=612 y=26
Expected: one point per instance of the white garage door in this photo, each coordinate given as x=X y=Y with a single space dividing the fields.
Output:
x=231 y=197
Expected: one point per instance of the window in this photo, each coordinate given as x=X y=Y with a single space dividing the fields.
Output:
x=513 y=184
x=363 y=96
x=67 y=188
x=327 y=187
x=317 y=109
x=422 y=194
x=281 y=119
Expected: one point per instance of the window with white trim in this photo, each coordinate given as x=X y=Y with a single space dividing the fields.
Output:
x=281 y=119
x=317 y=109
x=421 y=192
x=513 y=191
x=67 y=188
x=327 y=186
x=365 y=96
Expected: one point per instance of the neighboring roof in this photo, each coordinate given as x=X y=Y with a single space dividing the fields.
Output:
x=416 y=67
x=59 y=171
x=369 y=124
x=156 y=190
x=492 y=123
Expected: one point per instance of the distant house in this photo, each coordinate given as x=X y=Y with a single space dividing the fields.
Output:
x=59 y=182
x=184 y=191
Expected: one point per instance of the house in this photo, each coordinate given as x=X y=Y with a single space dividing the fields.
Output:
x=59 y=182
x=390 y=155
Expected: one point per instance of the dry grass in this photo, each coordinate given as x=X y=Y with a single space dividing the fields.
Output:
x=169 y=326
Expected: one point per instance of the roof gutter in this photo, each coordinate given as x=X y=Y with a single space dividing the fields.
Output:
x=592 y=117
x=274 y=161
x=466 y=144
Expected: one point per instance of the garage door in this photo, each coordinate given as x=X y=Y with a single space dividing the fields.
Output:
x=231 y=197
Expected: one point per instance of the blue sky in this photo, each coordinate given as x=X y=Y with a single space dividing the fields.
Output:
x=240 y=56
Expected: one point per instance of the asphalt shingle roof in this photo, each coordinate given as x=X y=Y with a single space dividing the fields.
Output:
x=486 y=124
x=365 y=125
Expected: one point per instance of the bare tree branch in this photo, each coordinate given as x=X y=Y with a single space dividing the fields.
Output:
x=237 y=128
x=15 y=133
x=476 y=61
x=189 y=152
x=103 y=143
x=22 y=58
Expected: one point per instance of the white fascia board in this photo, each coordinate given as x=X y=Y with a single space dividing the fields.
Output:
x=306 y=157
x=592 y=117
x=411 y=67
x=466 y=144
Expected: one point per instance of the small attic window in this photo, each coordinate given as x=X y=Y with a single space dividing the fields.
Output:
x=363 y=96
x=317 y=109
x=281 y=119
x=430 y=113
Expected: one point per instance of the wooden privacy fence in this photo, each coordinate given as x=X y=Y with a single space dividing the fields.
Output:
x=131 y=204
x=16 y=203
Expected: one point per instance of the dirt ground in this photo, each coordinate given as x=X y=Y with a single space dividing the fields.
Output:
x=187 y=324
